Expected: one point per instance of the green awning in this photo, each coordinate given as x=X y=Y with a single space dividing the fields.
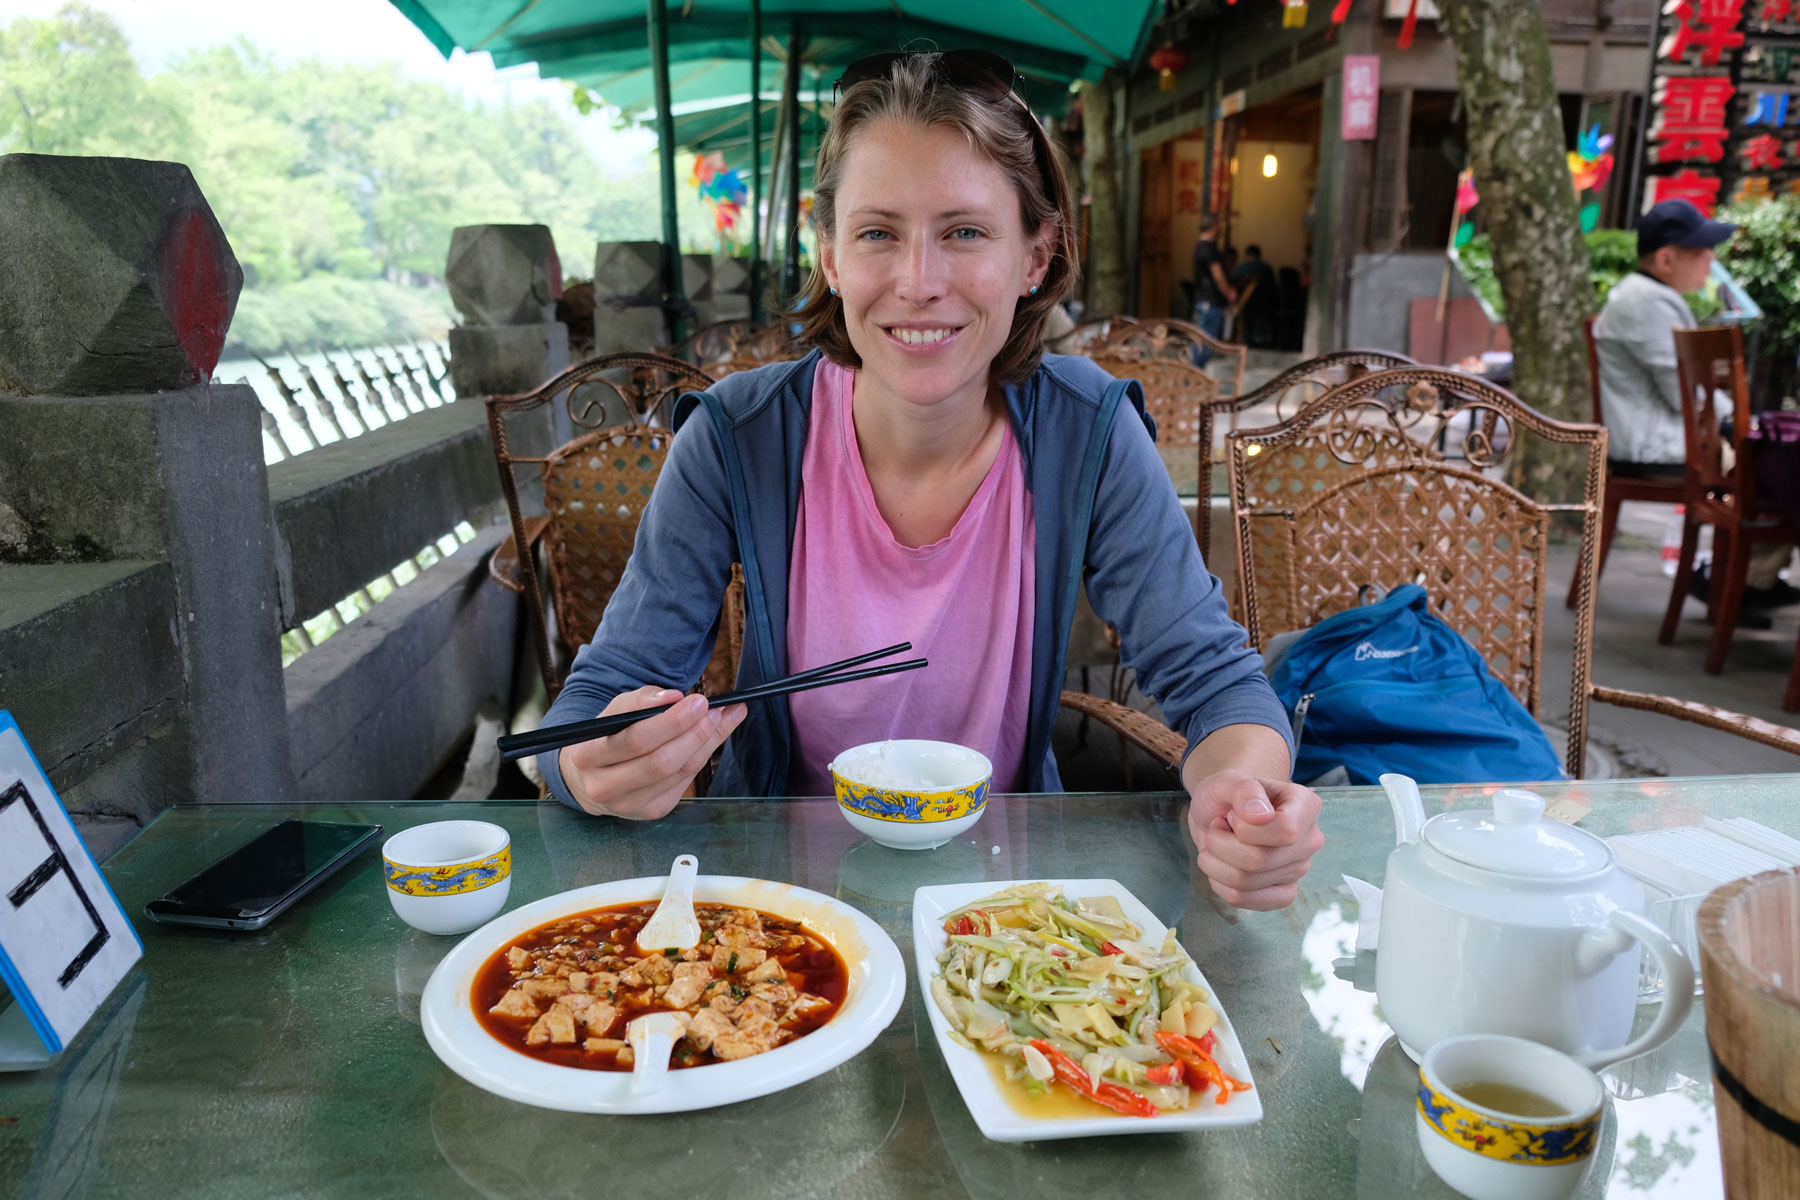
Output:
x=722 y=125
x=1052 y=41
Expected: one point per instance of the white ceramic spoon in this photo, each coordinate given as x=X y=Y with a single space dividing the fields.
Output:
x=652 y=1040
x=673 y=925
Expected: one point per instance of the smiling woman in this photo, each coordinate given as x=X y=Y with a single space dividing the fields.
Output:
x=929 y=474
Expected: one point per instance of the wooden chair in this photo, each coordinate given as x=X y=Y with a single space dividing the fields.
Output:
x=1165 y=337
x=1398 y=514
x=1289 y=391
x=1088 y=334
x=1707 y=362
x=1176 y=395
x=594 y=490
x=1619 y=488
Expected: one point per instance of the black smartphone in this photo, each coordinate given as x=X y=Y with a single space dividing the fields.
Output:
x=262 y=878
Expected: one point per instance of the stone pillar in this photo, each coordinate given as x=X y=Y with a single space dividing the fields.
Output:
x=697 y=285
x=730 y=288
x=505 y=281
x=145 y=663
x=628 y=297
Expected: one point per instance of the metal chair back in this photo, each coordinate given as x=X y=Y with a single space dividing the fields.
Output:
x=1165 y=337
x=594 y=487
x=1397 y=508
x=1176 y=394
x=1288 y=391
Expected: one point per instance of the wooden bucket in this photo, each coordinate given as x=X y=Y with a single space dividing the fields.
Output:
x=1749 y=934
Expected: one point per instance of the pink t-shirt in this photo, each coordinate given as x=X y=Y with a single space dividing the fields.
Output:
x=964 y=602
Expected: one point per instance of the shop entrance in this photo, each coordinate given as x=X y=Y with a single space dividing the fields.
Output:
x=1265 y=198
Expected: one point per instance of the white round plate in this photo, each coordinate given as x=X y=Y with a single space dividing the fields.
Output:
x=877 y=983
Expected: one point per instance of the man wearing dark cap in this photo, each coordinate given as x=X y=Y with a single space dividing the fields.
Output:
x=1640 y=397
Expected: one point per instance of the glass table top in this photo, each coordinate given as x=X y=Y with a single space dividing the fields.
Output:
x=290 y=1061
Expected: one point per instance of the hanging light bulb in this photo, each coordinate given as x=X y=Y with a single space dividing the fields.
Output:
x=1269 y=166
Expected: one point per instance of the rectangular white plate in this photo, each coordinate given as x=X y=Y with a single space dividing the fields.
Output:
x=996 y=1118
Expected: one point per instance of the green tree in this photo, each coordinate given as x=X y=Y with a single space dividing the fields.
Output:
x=334 y=182
x=69 y=85
x=1516 y=149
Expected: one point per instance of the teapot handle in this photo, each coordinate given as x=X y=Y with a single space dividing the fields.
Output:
x=1678 y=990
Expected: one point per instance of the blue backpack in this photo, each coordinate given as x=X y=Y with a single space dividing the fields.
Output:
x=1391 y=687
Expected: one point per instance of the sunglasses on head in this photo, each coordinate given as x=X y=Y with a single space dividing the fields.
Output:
x=979 y=72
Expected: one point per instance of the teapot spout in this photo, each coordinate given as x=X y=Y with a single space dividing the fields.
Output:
x=1409 y=807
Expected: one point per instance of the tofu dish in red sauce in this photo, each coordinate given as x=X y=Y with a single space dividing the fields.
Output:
x=565 y=991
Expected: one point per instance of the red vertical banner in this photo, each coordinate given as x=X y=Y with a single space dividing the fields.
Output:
x=1362 y=96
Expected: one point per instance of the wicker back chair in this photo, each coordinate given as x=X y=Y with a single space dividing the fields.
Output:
x=1176 y=393
x=727 y=339
x=1289 y=392
x=1088 y=335
x=1165 y=337
x=1400 y=513
x=595 y=488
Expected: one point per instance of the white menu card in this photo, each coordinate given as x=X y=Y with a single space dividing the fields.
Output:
x=64 y=941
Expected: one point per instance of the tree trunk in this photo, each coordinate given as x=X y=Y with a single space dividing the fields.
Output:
x=1519 y=157
x=1106 y=232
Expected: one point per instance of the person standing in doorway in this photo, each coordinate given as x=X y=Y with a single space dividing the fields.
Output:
x=1213 y=293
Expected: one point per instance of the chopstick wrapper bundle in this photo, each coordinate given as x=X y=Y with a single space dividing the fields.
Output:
x=1749 y=933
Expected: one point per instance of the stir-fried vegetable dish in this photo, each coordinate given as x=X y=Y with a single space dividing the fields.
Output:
x=1068 y=995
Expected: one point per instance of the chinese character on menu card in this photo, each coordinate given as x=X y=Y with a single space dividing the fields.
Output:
x=1763 y=152
x=1709 y=26
x=1692 y=124
x=1702 y=191
x=1771 y=108
x=1753 y=187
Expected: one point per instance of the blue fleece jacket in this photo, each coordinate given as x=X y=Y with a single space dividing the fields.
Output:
x=1106 y=515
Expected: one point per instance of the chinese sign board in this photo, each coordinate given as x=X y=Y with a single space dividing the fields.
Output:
x=1725 y=116
x=1362 y=95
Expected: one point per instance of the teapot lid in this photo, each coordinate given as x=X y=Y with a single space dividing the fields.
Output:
x=1514 y=839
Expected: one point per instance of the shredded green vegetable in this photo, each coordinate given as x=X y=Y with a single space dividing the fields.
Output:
x=1030 y=963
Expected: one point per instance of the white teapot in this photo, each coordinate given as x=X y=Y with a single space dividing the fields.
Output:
x=1503 y=922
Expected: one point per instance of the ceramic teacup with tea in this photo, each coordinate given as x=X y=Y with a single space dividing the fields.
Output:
x=1501 y=1118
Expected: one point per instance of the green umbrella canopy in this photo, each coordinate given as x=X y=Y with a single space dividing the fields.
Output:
x=722 y=125
x=1051 y=41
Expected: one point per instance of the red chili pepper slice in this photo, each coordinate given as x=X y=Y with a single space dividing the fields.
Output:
x=1166 y=1073
x=1202 y=1069
x=1113 y=1096
x=1109 y=948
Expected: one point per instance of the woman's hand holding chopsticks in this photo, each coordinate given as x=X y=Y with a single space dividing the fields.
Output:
x=641 y=771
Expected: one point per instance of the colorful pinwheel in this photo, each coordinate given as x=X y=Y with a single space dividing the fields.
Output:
x=721 y=187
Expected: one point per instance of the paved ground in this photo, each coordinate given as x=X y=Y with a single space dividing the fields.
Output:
x=1633 y=595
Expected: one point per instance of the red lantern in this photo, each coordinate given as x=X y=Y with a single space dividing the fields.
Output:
x=1167 y=61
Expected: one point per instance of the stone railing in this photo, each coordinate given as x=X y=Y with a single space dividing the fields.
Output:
x=150 y=560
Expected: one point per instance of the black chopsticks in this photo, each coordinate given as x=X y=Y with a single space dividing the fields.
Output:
x=555 y=737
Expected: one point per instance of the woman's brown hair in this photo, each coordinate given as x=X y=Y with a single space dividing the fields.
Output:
x=1004 y=131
